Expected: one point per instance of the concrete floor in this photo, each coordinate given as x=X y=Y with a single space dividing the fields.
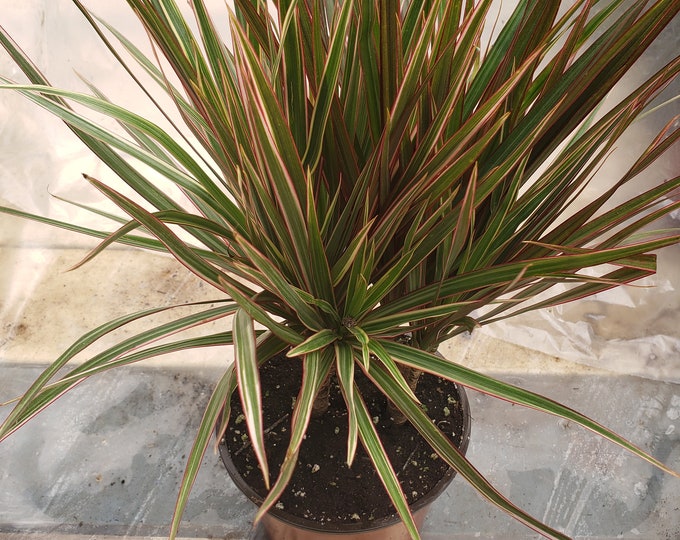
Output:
x=107 y=460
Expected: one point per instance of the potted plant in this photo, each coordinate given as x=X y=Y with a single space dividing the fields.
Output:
x=361 y=181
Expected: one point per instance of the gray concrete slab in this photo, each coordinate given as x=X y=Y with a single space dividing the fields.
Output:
x=106 y=461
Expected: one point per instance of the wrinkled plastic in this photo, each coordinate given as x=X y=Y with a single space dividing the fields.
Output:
x=42 y=158
x=632 y=330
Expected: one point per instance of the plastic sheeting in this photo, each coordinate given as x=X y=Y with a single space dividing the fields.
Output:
x=630 y=330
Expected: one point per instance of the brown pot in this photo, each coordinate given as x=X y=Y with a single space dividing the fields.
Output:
x=279 y=524
x=275 y=528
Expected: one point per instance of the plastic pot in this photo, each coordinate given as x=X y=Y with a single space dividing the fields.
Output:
x=278 y=524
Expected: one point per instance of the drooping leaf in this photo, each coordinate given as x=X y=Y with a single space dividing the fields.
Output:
x=247 y=370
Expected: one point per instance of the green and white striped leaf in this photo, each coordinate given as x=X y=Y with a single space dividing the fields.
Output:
x=375 y=450
x=247 y=370
x=316 y=369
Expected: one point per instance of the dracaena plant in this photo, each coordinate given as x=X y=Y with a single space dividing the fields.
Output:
x=360 y=182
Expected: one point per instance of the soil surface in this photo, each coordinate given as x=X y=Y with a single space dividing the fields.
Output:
x=323 y=488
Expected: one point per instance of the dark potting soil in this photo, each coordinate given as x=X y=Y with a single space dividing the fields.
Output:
x=323 y=488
